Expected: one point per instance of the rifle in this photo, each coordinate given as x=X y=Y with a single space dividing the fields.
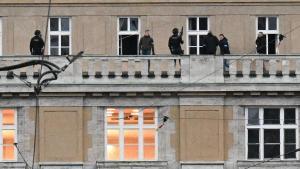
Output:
x=181 y=32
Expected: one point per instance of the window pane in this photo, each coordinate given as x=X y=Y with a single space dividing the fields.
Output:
x=272 y=39
x=149 y=152
x=113 y=152
x=253 y=136
x=289 y=136
x=272 y=23
x=112 y=136
x=272 y=151
x=134 y=24
x=149 y=116
x=193 y=40
x=131 y=152
x=272 y=136
x=261 y=23
x=54 y=40
x=192 y=24
x=271 y=116
x=131 y=116
x=65 y=51
x=201 y=42
x=53 y=24
x=65 y=24
x=288 y=151
x=253 y=151
x=129 y=44
x=8 y=152
x=65 y=40
x=123 y=24
x=193 y=50
x=290 y=116
x=54 y=51
x=203 y=24
x=131 y=136
x=112 y=116
x=8 y=137
x=8 y=117
x=253 y=116
x=149 y=136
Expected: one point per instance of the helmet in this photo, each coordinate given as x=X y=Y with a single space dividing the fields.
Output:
x=175 y=31
x=37 y=32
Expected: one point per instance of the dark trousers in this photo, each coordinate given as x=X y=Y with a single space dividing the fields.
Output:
x=147 y=52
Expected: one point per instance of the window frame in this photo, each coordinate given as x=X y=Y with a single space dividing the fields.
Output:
x=8 y=127
x=197 y=33
x=60 y=33
x=128 y=32
x=267 y=32
x=281 y=127
x=121 y=127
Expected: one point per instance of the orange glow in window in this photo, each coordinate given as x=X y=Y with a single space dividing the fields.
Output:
x=131 y=116
x=8 y=147
x=112 y=116
x=8 y=116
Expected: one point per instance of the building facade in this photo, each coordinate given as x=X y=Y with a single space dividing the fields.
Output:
x=114 y=109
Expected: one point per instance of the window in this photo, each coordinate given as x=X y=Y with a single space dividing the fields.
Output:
x=8 y=134
x=269 y=27
x=128 y=35
x=271 y=133
x=131 y=134
x=197 y=30
x=60 y=36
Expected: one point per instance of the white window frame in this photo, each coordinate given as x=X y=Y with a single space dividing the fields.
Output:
x=280 y=127
x=197 y=32
x=141 y=126
x=267 y=32
x=128 y=32
x=8 y=127
x=60 y=33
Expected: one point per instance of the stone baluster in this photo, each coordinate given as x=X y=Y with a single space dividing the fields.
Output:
x=285 y=67
x=232 y=67
x=98 y=68
x=246 y=67
x=273 y=65
x=259 y=66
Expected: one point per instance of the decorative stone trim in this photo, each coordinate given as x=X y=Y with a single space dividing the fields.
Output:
x=12 y=165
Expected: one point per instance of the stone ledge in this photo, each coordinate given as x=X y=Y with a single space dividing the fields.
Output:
x=13 y=165
x=133 y=164
x=271 y=164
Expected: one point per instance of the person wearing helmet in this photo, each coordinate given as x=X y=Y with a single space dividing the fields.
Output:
x=175 y=42
x=37 y=44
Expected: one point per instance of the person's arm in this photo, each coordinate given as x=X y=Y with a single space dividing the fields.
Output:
x=140 y=46
x=31 y=46
x=169 y=44
x=152 y=46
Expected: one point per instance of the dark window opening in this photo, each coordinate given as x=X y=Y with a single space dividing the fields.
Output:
x=272 y=39
x=128 y=44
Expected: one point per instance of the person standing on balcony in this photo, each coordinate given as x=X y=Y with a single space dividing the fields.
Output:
x=224 y=49
x=175 y=42
x=37 y=44
x=261 y=43
x=210 y=43
x=146 y=44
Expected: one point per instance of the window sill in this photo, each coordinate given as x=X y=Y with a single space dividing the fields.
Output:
x=109 y=164
x=274 y=163
x=12 y=164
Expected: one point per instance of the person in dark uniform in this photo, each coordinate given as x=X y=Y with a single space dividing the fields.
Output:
x=175 y=42
x=37 y=44
x=210 y=43
x=224 y=49
x=261 y=43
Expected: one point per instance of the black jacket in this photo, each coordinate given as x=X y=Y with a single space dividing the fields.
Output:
x=224 y=46
x=174 y=44
x=261 y=45
x=146 y=43
x=210 y=43
x=36 y=45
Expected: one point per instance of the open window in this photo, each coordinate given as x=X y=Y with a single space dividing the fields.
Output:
x=128 y=35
